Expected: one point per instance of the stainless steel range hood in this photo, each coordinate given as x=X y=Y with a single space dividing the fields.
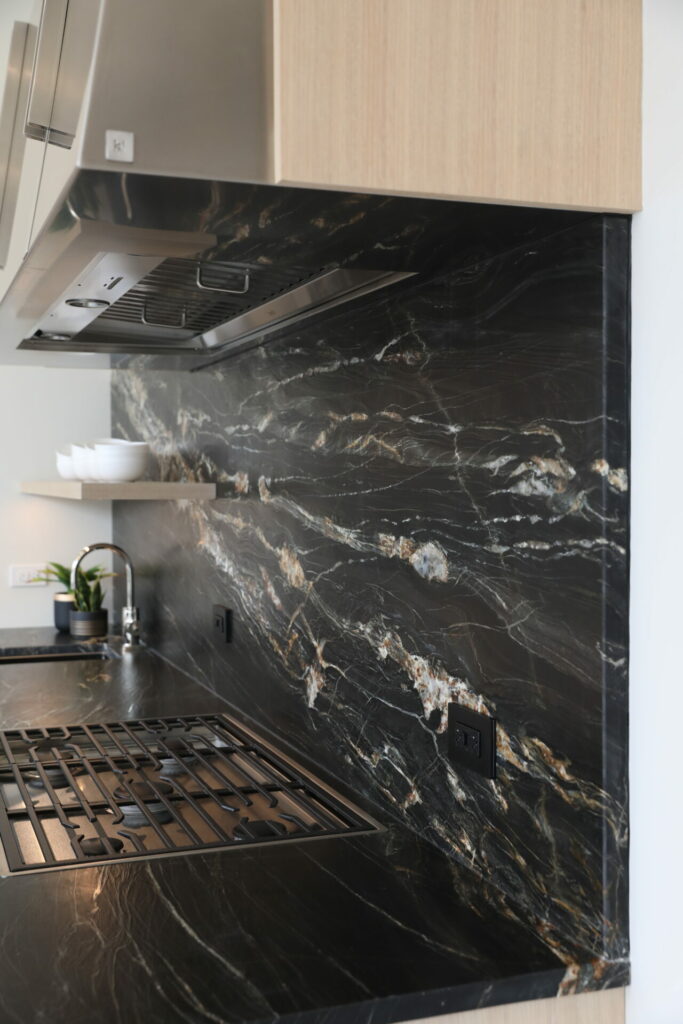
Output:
x=144 y=244
x=138 y=264
x=180 y=306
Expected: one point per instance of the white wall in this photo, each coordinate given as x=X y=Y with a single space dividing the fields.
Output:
x=656 y=996
x=40 y=410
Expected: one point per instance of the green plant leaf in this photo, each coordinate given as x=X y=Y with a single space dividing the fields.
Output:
x=82 y=594
x=61 y=573
x=97 y=572
x=55 y=571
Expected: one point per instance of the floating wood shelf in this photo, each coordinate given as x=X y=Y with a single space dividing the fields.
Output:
x=143 y=490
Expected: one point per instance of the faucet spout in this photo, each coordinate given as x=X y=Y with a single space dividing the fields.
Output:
x=130 y=616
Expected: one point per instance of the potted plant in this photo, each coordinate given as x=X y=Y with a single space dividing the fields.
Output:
x=88 y=618
x=63 y=600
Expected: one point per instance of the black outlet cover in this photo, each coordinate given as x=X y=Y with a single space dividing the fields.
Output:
x=472 y=740
x=222 y=622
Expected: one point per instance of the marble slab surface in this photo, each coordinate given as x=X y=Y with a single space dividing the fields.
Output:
x=424 y=499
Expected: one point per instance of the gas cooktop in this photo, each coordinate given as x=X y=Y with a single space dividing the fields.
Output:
x=86 y=794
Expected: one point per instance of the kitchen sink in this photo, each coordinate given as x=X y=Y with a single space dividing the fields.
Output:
x=65 y=652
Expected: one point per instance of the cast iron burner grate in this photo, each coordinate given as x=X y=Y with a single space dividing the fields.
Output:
x=86 y=794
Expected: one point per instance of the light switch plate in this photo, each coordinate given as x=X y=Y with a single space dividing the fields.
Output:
x=21 y=575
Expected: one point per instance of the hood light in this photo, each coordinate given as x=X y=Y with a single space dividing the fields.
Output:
x=87 y=303
x=52 y=336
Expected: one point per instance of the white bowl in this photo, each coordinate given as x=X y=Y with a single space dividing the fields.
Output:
x=136 y=467
x=120 y=474
x=115 y=464
x=81 y=458
x=110 y=453
x=65 y=466
x=91 y=463
x=120 y=441
x=121 y=446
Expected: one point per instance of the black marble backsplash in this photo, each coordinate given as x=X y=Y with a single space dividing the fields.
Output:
x=425 y=500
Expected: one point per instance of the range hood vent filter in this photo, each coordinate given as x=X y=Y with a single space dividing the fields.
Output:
x=196 y=297
x=194 y=307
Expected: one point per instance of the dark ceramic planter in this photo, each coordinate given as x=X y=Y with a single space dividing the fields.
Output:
x=63 y=606
x=88 y=623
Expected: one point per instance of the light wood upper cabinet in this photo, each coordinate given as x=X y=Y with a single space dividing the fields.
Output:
x=534 y=102
x=587 y=1008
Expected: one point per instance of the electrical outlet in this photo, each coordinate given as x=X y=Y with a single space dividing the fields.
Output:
x=222 y=622
x=22 y=575
x=469 y=740
x=472 y=740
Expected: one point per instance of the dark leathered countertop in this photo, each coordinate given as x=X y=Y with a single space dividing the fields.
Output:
x=379 y=927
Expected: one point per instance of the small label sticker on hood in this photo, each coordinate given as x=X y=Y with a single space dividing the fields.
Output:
x=119 y=146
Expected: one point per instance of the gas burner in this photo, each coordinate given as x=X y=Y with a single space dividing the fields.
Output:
x=176 y=753
x=42 y=745
x=263 y=829
x=41 y=750
x=164 y=735
x=136 y=817
x=142 y=789
x=47 y=745
x=95 y=847
x=54 y=775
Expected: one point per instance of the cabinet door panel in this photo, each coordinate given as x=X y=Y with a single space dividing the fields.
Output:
x=512 y=101
x=587 y=1008
x=21 y=158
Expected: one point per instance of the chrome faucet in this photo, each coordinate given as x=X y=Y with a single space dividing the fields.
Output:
x=130 y=617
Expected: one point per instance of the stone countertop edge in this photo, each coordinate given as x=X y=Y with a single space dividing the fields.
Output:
x=437 y=1002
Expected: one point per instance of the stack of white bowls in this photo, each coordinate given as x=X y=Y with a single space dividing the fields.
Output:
x=110 y=460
